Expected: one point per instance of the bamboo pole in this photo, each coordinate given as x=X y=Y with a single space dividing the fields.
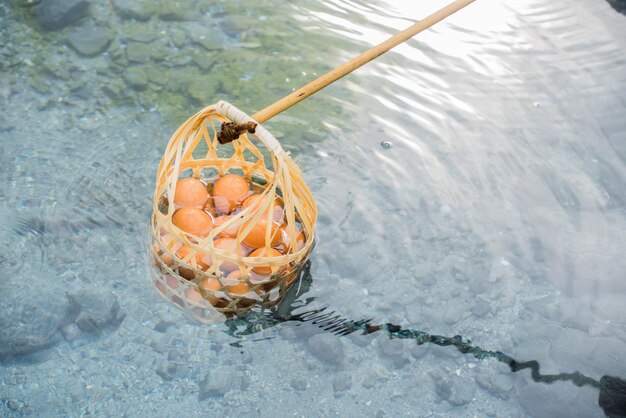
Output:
x=346 y=68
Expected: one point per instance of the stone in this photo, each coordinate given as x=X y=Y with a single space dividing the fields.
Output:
x=393 y=350
x=70 y=332
x=138 y=52
x=167 y=370
x=57 y=14
x=89 y=40
x=298 y=383
x=233 y=26
x=135 y=9
x=219 y=382
x=461 y=393
x=178 y=38
x=6 y=124
x=176 y=11
x=457 y=309
x=342 y=383
x=203 y=89
x=95 y=309
x=16 y=405
x=443 y=389
x=327 y=348
x=481 y=308
x=204 y=60
x=558 y=399
x=29 y=324
x=205 y=37
x=136 y=78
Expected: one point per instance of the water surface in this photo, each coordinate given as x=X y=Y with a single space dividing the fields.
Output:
x=471 y=182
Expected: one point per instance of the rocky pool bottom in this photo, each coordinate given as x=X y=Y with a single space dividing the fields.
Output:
x=514 y=244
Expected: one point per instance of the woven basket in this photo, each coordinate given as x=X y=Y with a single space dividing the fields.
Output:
x=183 y=276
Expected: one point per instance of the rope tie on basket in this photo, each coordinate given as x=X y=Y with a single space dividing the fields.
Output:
x=229 y=131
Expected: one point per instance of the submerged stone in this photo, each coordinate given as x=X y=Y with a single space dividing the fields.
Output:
x=138 y=52
x=29 y=324
x=134 y=9
x=219 y=382
x=56 y=14
x=136 y=78
x=328 y=348
x=95 y=309
x=89 y=40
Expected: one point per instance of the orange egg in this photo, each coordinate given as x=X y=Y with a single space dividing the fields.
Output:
x=211 y=285
x=240 y=288
x=203 y=261
x=228 y=232
x=190 y=192
x=193 y=295
x=277 y=210
x=193 y=221
x=166 y=239
x=261 y=252
x=171 y=281
x=209 y=207
x=300 y=240
x=226 y=244
x=256 y=236
x=229 y=192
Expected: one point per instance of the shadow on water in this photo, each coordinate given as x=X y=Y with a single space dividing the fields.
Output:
x=612 y=390
x=618 y=5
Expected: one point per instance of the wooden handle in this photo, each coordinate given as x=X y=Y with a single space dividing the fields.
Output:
x=346 y=68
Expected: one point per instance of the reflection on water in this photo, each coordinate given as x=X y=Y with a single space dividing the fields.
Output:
x=495 y=209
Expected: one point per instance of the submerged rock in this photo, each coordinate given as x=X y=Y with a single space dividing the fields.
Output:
x=29 y=324
x=57 y=14
x=342 y=384
x=328 y=348
x=136 y=78
x=95 y=309
x=219 y=382
x=134 y=9
x=89 y=40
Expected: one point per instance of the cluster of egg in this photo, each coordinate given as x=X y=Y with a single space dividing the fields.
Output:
x=199 y=208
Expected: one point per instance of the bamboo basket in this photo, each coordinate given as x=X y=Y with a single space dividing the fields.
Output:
x=200 y=279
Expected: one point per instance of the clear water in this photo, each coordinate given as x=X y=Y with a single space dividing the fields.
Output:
x=471 y=182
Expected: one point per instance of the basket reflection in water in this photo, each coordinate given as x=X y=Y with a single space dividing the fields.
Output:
x=230 y=227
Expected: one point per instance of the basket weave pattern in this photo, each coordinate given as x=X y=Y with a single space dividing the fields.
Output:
x=194 y=151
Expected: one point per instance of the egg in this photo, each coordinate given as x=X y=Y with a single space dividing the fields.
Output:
x=300 y=240
x=256 y=237
x=203 y=261
x=211 y=285
x=171 y=281
x=225 y=244
x=209 y=207
x=278 y=213
x=193 y=220
x=229 y=192
x=190 y=192
x=261 y=252
x=230 y=232
x=193 y=295
x=240 y=288
x=166 y=239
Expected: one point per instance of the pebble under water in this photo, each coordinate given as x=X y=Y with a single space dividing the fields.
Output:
x=471 y=186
